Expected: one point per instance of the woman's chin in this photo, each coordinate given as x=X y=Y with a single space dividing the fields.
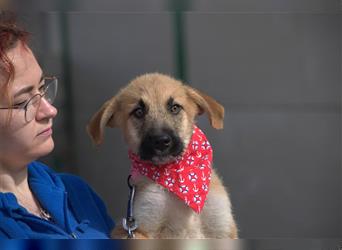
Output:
x=45 y=148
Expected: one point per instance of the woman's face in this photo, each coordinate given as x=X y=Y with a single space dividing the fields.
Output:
x=20 y=141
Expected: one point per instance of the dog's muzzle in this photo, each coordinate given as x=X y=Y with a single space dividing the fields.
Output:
x=161 y=143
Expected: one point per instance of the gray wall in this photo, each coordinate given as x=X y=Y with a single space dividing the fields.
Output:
x=275 y=67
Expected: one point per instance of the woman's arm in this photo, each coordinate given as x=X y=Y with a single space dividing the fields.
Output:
x=86 y=203
x=3 y=235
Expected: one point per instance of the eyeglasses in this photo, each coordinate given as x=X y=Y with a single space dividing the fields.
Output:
x=48 y=91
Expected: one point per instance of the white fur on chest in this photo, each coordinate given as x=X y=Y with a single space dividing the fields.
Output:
x=162 y=214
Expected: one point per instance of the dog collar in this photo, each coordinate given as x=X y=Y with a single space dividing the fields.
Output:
x=188 y=177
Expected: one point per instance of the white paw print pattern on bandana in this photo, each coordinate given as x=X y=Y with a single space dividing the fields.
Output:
x=184 y=189
x=197 y=199
x=169 y=182
x=144 y=171
x=205 y=145
x=188 y=177
x=192 y=177
x=190 y=161
x=195 y=145
x=156 y=176
x=205 y=187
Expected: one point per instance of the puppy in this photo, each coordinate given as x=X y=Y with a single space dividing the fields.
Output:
x=174 y=199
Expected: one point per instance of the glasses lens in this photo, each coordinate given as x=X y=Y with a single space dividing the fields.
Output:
x=31 y=108
x=50 y=91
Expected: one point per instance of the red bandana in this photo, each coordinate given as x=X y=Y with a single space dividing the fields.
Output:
x=188 y=177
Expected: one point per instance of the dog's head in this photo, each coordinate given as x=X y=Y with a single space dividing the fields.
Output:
x=156 y=114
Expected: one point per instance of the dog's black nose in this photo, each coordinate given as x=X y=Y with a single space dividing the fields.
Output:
x=161 y=142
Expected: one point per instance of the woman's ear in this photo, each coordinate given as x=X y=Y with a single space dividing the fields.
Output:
x=105 y=116
x=207 y=104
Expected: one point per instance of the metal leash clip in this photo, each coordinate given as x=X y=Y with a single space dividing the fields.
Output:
x=129 y=226
x=129 y=223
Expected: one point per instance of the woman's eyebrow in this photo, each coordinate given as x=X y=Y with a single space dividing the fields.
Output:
x=24 y=90
x=27 y=89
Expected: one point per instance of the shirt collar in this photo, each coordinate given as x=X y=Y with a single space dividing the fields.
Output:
x=47 y=187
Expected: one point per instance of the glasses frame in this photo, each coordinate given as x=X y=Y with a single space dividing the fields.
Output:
x=42 y=95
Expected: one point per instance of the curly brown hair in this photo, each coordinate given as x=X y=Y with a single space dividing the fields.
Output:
x=10 y=35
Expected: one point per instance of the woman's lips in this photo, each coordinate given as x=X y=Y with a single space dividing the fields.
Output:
x=46 y=132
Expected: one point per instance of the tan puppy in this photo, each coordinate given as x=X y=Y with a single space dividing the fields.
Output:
x=158 y=106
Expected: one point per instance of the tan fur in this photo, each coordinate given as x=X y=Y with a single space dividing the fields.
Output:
x=160 y=214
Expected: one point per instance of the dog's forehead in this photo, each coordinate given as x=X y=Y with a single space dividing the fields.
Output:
x=155 y=88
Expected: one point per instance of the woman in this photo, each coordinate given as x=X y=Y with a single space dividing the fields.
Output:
x=35 y=202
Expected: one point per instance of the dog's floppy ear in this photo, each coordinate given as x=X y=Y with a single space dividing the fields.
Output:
x=207 y=104
x=102 y=118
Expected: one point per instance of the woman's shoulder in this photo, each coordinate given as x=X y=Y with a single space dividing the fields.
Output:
x=78 y=192
x=40 y=170
x=74 y=181
x=40 y=173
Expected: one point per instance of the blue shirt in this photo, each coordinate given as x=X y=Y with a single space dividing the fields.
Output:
x=76 y=210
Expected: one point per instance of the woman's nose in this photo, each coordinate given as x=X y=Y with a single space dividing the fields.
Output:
x=45 y=110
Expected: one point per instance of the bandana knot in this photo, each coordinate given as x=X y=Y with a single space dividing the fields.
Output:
x=188 y=177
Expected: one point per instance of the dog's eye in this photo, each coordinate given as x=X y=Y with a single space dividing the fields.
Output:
x=139 y=113
x=175 y=109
